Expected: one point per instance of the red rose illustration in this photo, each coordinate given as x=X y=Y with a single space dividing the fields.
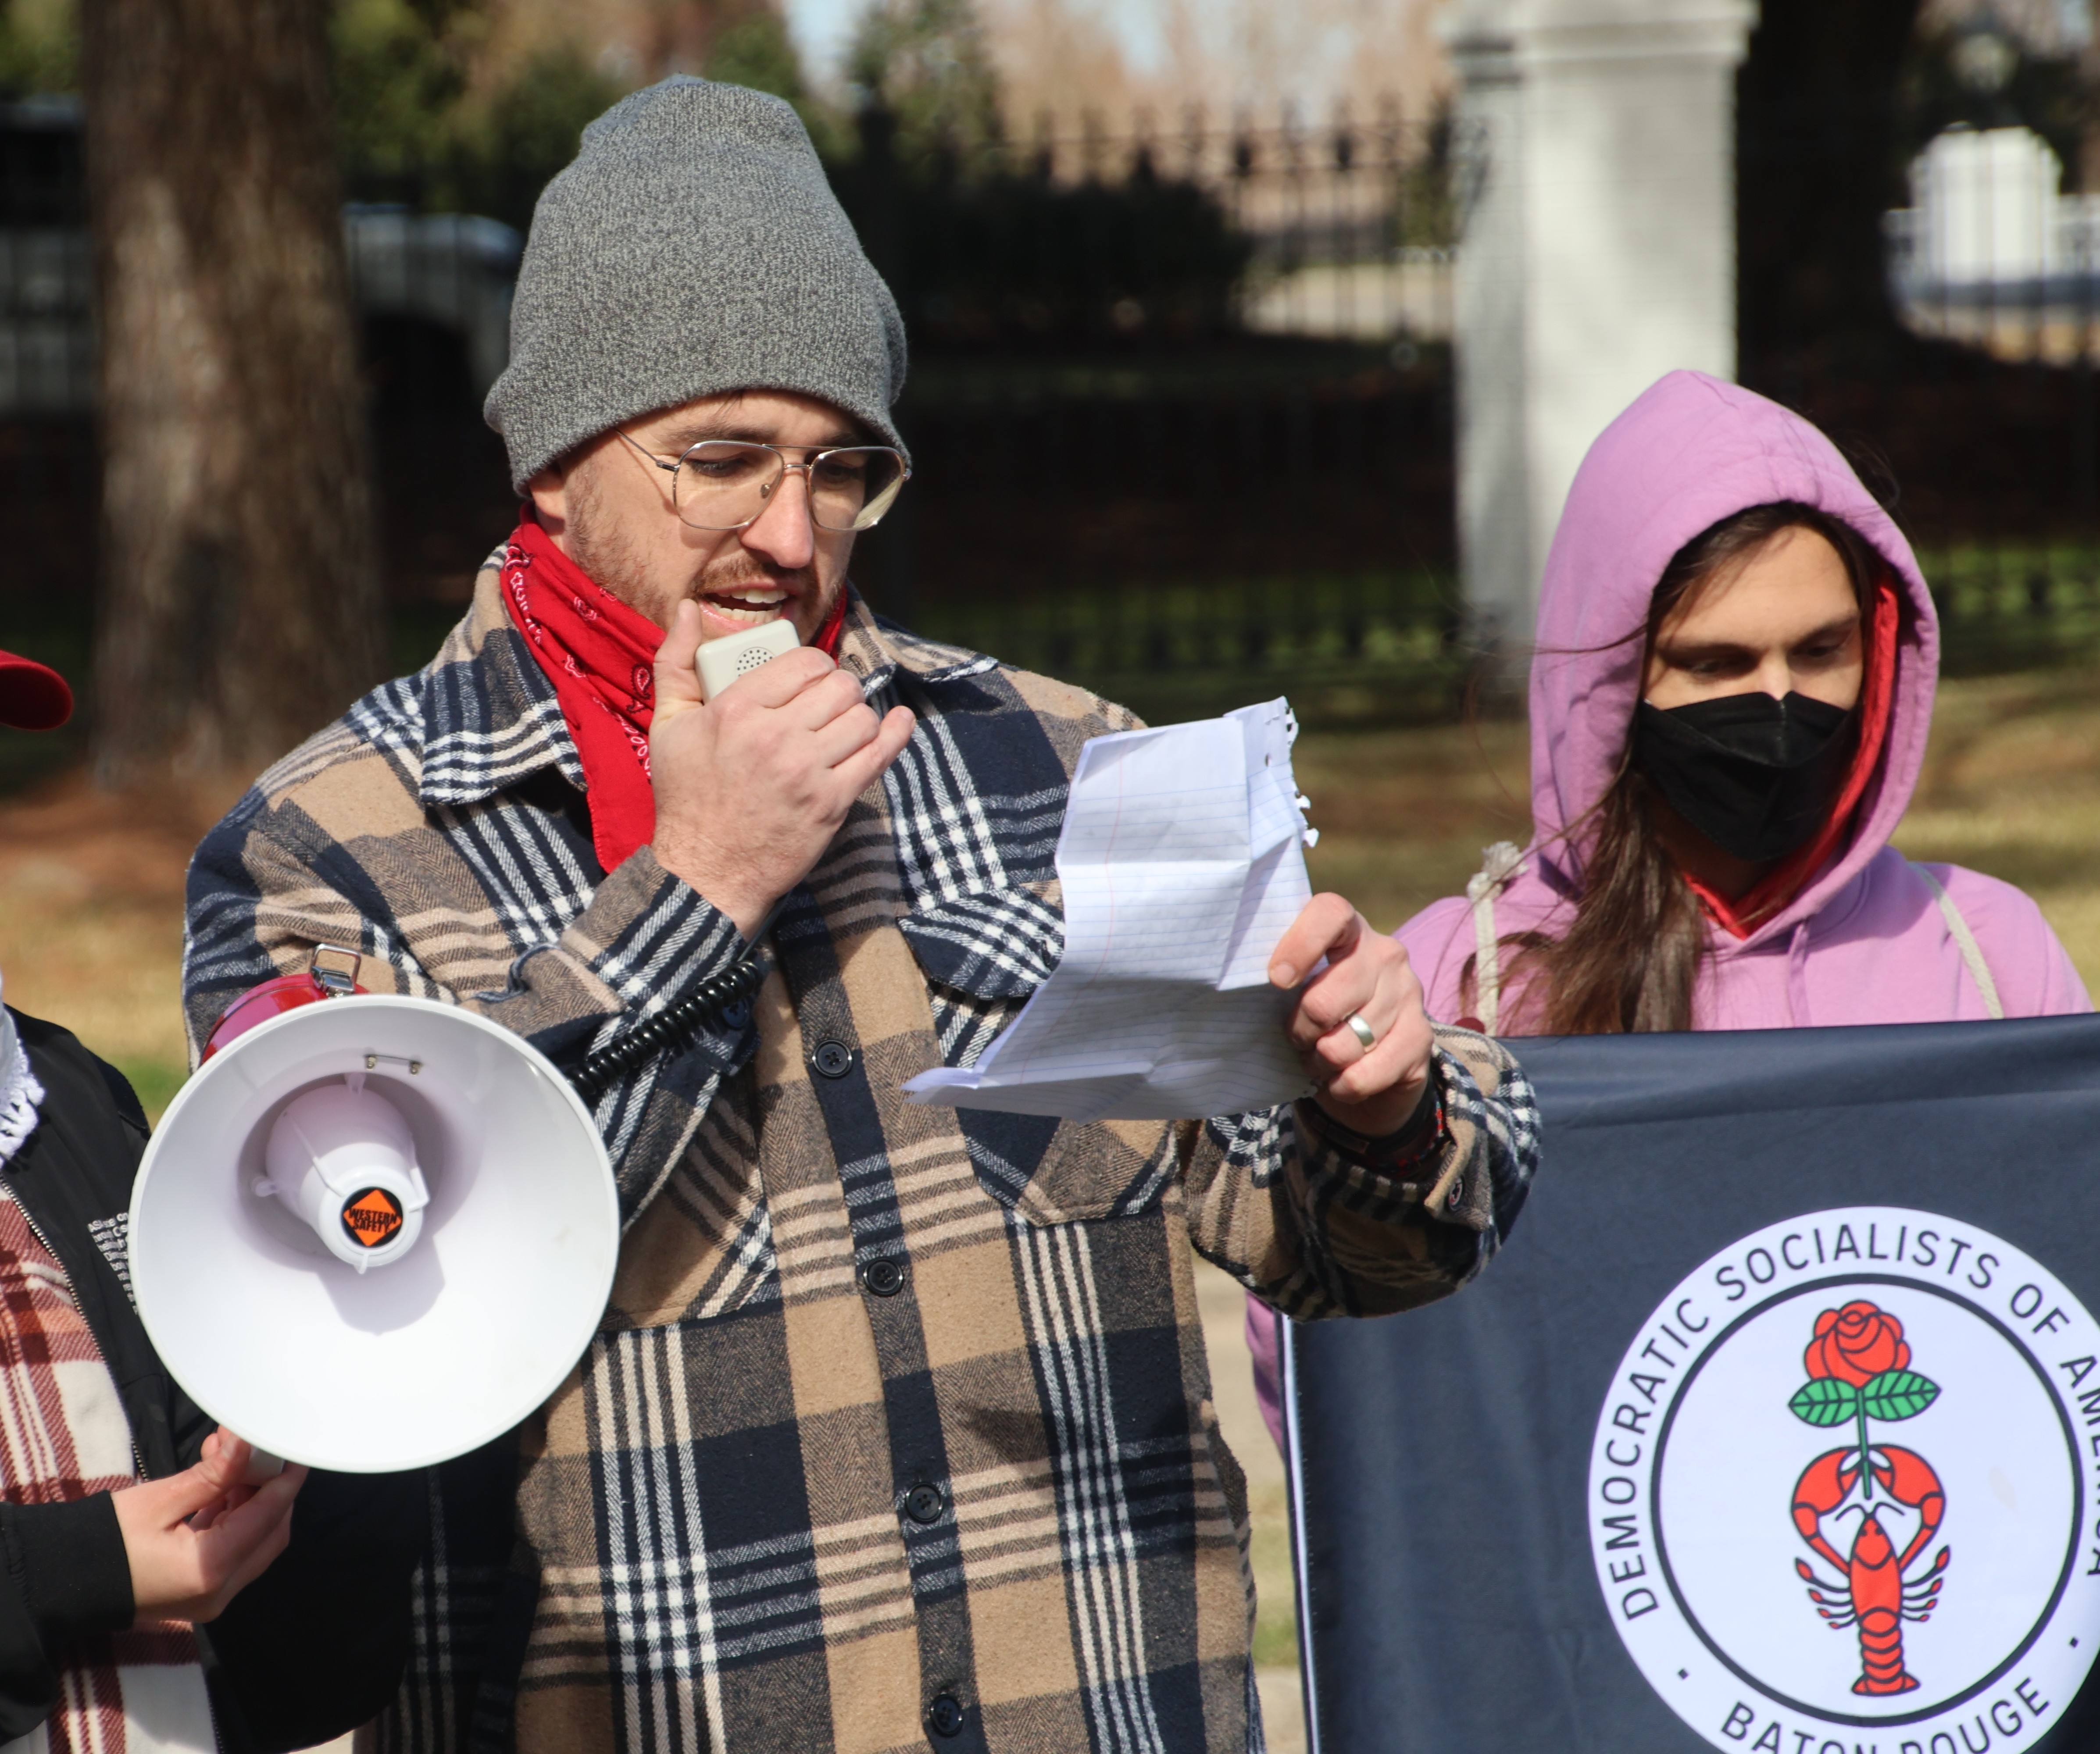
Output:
x=1857 y=1344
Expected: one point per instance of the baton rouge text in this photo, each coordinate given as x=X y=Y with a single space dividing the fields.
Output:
x=1972 y=1734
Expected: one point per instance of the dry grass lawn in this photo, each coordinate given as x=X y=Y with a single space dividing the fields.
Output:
x=91 y=915
x=91 y=918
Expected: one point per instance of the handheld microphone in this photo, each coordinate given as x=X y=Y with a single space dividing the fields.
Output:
x=724 y=661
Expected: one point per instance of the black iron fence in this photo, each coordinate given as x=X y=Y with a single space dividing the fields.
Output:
x=1371 y=648
x=1157 y=236
x=1181 y=404
x=1386 y=648
x=1180 y=409
x=2009 y=606
x=1969 y=399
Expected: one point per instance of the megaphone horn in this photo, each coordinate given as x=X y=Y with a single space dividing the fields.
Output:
x=372 y=1232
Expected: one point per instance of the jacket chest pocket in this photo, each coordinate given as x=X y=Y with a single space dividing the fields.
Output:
x=983 y=955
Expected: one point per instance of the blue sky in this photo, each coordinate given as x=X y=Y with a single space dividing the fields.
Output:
x=822 y=29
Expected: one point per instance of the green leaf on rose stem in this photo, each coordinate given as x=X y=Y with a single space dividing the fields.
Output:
x=1898 y=1394
x=1825 y=1401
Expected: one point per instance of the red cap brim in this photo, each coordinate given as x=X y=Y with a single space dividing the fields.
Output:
x=33 y=697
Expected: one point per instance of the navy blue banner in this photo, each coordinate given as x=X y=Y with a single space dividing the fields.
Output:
x=1775 y=1427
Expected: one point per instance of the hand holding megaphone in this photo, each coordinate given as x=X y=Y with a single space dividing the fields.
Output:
x=197 y=1539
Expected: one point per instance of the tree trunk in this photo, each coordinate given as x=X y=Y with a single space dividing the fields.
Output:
x=239 y=606
x=1816 y=169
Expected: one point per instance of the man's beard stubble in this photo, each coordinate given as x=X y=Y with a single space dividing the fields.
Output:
x=595 y=543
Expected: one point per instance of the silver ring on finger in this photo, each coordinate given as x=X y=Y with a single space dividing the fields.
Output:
x=1366 y=1036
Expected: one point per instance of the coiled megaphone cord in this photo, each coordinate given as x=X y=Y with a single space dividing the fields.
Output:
x=715 y=997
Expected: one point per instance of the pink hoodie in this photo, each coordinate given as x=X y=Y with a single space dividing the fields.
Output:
x=1865 y=941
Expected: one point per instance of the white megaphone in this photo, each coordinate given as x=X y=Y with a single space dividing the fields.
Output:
x=371 y=1233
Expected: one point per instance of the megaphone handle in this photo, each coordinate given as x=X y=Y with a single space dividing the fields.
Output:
x=715 y=995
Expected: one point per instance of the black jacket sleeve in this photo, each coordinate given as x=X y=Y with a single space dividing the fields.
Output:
x=66 y=1579
x=316 y=1646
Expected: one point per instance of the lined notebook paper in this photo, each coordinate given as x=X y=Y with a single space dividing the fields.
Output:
x=1182 y=861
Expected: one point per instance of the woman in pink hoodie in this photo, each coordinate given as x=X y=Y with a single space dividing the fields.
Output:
x=1729 y=706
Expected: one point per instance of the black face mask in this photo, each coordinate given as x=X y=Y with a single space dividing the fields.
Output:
x=1754 y=775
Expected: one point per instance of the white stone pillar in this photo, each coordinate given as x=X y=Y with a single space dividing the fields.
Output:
x=1496 y=553
x=1597 y=147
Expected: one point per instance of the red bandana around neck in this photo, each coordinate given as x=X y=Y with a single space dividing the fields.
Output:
x=601 y=656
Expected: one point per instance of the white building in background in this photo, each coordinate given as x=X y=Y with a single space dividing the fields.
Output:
x=1992 y=252
x=1986 y=206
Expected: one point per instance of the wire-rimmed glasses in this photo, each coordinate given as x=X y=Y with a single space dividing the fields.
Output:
x=727 y=483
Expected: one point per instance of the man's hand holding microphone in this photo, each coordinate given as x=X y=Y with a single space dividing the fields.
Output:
x=752 y=785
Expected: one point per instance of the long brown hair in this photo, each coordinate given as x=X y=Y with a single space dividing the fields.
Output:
x=1629 y=962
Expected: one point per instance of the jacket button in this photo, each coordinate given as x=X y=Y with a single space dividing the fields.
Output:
x=944 y=1717
x=924 y=1503
x=883 y=1277
x=833 y=1059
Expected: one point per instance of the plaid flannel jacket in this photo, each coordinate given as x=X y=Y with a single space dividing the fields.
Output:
x=898 y=1425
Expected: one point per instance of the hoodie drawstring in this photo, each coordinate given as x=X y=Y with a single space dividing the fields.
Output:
x=1499 y=864
x=1964 y=942
x=1796 y=977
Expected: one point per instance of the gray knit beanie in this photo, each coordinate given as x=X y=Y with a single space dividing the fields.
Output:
x=693 y=247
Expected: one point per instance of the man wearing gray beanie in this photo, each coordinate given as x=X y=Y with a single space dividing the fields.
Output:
x=897 y=1429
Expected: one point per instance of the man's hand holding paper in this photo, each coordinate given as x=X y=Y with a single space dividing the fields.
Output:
x=1374 y=1090
x=1189 y=922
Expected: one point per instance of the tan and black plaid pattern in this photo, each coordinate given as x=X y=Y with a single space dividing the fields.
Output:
x=898 y=1427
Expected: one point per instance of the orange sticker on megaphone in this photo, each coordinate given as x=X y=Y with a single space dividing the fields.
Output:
x=372 y=1217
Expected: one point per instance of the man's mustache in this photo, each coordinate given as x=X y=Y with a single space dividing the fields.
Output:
x=802 y=582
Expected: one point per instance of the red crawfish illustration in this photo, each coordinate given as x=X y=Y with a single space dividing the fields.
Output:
x=1859 y=1369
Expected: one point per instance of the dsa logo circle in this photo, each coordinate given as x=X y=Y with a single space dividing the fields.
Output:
x=1841 y=1495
